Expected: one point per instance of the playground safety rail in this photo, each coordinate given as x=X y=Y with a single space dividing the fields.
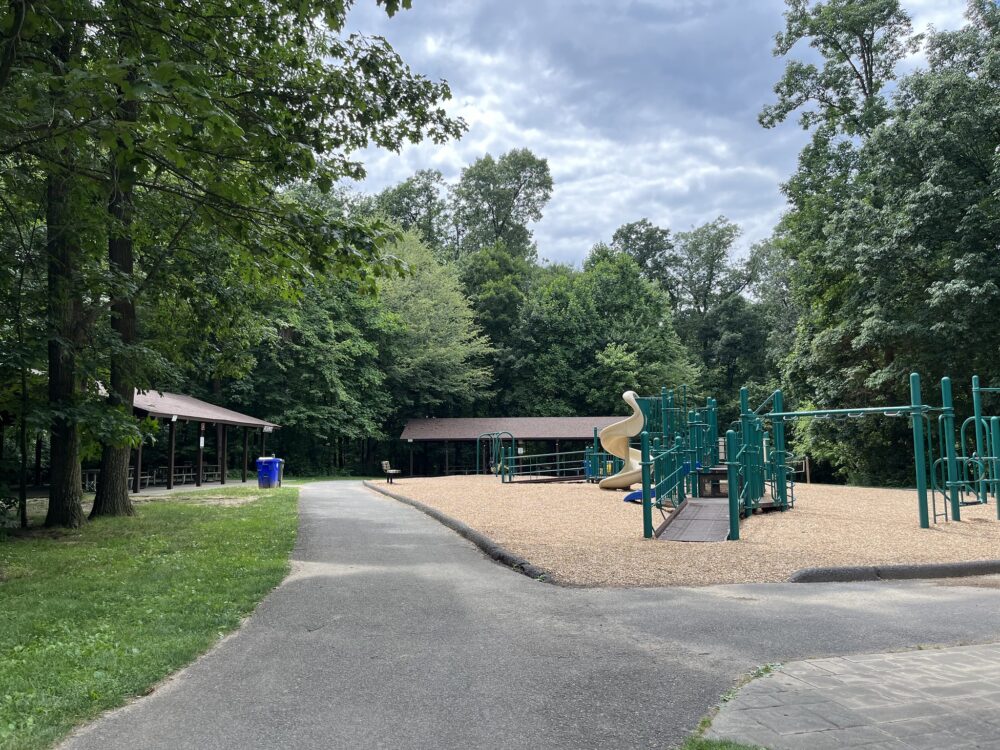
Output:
x=547 y=466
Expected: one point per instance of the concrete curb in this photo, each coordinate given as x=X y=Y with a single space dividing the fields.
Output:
x=487 y=545
x=896 y=572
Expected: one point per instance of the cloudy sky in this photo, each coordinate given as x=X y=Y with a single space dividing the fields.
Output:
x=643 y=108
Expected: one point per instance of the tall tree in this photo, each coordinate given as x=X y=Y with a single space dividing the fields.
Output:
x=418 y=203
x=653 y=249
x=860 y=42
x=435 y=356
x=496 y=199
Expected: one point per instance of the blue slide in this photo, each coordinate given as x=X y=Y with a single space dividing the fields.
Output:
x=636 y=497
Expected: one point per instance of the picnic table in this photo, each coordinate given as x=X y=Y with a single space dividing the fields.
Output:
x=90 y=477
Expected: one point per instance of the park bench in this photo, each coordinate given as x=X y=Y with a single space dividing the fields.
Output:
x=389 y=471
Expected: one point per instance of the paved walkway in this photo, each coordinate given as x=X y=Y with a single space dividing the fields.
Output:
x=393 y=632
x=926 y=700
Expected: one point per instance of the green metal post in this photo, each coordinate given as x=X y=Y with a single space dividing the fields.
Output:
x=663 y=414
x=733 y=481
x=948 y=411
x=680 y=451
x=746 y=427
x=918 y=449
x=647 y=489
x=668 y=420
x=981 y=447
x=713 y=429
x=595 y=465
x=779 y=451
x=995 y=435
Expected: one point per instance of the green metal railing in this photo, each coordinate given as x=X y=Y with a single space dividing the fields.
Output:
x=600 y=464
x=564 y=465
x=671 y=413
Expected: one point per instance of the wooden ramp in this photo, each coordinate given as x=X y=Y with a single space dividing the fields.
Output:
x=697 y=520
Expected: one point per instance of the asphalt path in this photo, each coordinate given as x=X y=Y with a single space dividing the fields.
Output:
x=394 y=632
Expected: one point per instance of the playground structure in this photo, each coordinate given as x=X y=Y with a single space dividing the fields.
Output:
x=495 y=446
x=760 y=471
x=673 y=448
x=950 y=478
x=979 y=468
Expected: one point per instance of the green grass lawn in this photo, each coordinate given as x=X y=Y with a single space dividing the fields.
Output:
x=698 y=743
x=90 y=618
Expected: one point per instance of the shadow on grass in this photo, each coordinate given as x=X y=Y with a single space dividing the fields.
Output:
x=97 y=615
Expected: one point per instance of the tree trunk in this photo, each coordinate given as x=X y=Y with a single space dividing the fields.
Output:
x=65 y=310
x=22 y=439
x=112 y=498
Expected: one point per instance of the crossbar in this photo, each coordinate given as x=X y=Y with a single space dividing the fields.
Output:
x=887 y=410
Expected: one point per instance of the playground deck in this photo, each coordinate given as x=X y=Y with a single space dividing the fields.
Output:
x=589 y=537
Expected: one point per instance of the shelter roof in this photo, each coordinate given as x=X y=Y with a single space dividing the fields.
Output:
x=166 y=405
x=522 y=428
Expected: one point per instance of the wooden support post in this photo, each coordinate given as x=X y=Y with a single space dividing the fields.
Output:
x=137 y=474
x=224 y=454
x=263 y=442
x=38 y=460
x=808 y=474
x=199 y=470
x=171 y=449
x=246 y=450
x=411 y=459
x=446 y=458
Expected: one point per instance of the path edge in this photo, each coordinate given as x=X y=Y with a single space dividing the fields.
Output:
x=493 y=550
x=896 y=572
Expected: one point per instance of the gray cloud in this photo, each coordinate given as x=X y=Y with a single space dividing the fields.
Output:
x=644 y=108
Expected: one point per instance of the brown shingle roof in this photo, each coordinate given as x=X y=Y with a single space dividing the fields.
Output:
x=166 y=405
x=522 y=428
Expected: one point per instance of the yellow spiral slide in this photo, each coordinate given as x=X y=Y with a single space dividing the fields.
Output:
x=615 y=439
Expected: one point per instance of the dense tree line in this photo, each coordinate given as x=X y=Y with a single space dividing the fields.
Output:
x=174 y=225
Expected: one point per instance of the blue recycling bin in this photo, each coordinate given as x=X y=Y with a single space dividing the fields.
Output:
x=269 y=472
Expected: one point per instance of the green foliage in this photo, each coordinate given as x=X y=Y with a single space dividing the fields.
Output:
x=891 y=243
x=152 y=145
x=418 y=204
x=586 y=337
x=434 y=357
x=860 y=43
x=496 y=282
x=172 y=580
x=496 y=198
x=357 y=364
x=700 y=743
x=652 y=248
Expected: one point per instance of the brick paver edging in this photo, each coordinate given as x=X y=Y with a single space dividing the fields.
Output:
x=929 y=699
x=487 y=545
